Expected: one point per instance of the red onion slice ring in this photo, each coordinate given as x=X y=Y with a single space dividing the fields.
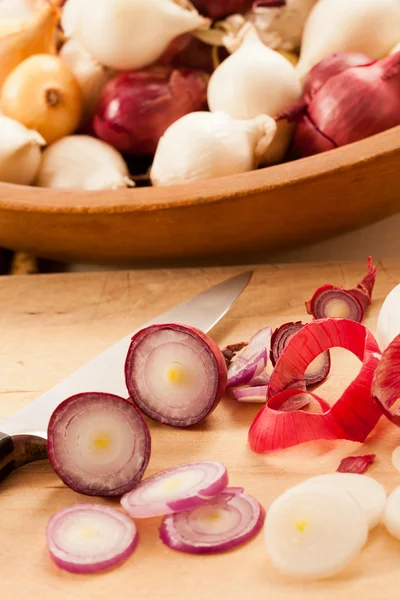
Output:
x=386 y=384
x=175 y=374
x=88 y=538
x=280 y=425
x=181 y=488
x=215 y=527
x=98 y=444
x=252 y=361
x=317 y=371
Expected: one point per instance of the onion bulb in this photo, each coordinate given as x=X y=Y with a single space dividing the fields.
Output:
x=205 y=145
x=128 y=34
x=43 y=94
x=255 y=80
x=19 y=152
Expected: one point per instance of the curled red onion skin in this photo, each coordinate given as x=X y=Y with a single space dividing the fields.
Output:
x=358 y=298
x=386 y=383
x=349 y=106
x=221 y=374
x=352 y=417
x=136 y=108
x=356 y=464
x=217 y=9
x=59 y=466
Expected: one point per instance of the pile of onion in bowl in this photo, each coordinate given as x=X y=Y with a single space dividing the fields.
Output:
x=218 y=87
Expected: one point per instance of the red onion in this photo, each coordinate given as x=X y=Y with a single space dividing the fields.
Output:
x=217 y=9
x=253 y=360
x=356 y=464
x=332 y=301
x=88 y=538
x=317 y=371
x=175 y=374
x=188 y=51
x=98 y=444
x=218 y=526
x=183 y=487
x=251 y=395
x=386 y=384
x=136 y=108
x=348 y=104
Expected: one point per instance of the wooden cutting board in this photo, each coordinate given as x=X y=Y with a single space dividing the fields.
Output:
x=50 y=325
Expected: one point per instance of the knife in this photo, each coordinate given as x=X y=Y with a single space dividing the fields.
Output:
x=23 y=434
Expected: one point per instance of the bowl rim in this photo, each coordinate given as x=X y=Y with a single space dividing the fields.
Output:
x=41 y=200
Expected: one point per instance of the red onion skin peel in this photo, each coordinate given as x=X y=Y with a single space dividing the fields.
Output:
x=345 y=105
x=356 y=464
x=216 y=363
x=136 y=108
x=281 y=424
x=92 y=475
x=357 y=299
x=386 y=384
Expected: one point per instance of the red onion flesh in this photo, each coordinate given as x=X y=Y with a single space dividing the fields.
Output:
x=281 y=424
x=252 y=361
x=88 y=538
x=345 y=105
x=217 y=9
x=98 y=444
x=175 y=374
x=332 y=301
x=183 y=487
x=251 y=395
x=215 y=527
x=356 y=464
x=317 y=371
x=386 y=384
x=136 y=108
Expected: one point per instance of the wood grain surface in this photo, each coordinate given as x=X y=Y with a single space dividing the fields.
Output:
x=229 y=220
x=51 y=324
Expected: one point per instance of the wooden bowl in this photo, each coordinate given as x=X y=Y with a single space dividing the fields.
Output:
x=229 y=219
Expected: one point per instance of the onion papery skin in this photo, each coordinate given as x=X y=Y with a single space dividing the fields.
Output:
x=281 y=424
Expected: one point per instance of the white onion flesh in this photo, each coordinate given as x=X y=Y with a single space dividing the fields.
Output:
x=391 y=515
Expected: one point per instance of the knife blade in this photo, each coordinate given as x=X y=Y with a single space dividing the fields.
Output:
x=23 y=434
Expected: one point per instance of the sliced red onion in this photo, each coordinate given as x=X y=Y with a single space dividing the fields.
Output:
x=356 y=464
x=98 y=444
x=317 y=371
x=88 y=538
x=332 y=301
x=253 y=360
x=175 y=374
x=386 y=383
x=215 y=527
x=181 y=488
x=251 y=395
x=231 y=350
x=261 y=380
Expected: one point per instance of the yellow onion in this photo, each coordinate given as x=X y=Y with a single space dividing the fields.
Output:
x=42 y=94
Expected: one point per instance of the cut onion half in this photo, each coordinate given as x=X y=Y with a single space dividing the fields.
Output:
x=356 y=464
x=367 y=492
x=252 y=361
x=175 y=374
x=391 y=515
x=218 y=526
x=282 y=424
x=87 y=538
x=183 y=487
x=98 y=444
x=317 y=371
x=389 y=319
x=386 y=383
x=331 y=301
x=251 y=395
x=314 y=532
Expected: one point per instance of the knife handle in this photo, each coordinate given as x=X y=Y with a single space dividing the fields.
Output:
x=19 y=450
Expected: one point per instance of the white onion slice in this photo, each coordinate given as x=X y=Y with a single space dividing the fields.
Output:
x=391 y=515
x=87 y=538
x=388 y=326
x=98 y=444
x=314 y=532
x=219 y=525
x=181 y=488
x=367 y=492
